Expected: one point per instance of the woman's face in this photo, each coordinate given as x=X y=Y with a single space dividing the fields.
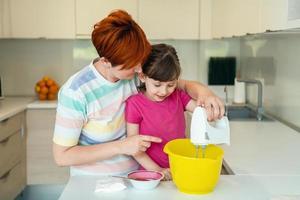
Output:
x=157 y=90
x=118 y=73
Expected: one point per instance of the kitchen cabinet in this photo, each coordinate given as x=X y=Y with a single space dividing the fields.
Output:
x=42 y=19
x=280 y=14
x=12 y=156
x=235 y=17
x=4 y=19
x=273 y=14
x=170 y=19
x=89 y=12
x=41 y=168
x=293 y=16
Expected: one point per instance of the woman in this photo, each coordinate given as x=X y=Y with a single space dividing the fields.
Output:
x=90 y=133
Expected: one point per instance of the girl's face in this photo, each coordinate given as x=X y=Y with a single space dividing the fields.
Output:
x=157 y=90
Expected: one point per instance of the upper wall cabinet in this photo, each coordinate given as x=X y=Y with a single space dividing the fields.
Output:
x=89 y=12
x=273 y=14
x=42 y=18
x=280 y=14
x=169 y=19
x=4 y=19
x=1 y=18
x=235 y=17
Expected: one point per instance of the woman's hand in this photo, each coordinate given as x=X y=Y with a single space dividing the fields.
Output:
x=167 y=174
x=135 y=144
x=213 y=105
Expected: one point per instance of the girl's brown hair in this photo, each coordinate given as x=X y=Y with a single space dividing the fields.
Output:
x=120 y=40
x=162 y=63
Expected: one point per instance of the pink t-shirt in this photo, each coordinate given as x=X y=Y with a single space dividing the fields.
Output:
x=163 y=119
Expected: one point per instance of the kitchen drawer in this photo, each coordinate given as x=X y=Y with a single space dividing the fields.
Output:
x=10 y=125
x=10 y=152
x=12 y=182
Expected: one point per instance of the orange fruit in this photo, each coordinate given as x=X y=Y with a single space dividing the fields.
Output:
x=44 y=90
x=49 y=82
x=41 y=83
x=51 y=96
x=42 y=96
x=53 y=89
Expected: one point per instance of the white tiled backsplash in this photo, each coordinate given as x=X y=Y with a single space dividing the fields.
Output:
x=272 y=58
x=275 y=59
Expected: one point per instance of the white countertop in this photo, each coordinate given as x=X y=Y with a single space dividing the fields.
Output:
x=46 y=104
x=264 y=157
x=10 y=106
x=263 y=148
x=230 y=187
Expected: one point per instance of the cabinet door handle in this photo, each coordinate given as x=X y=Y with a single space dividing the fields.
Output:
x=4 y=141
x=4 y=176
x=4 y=121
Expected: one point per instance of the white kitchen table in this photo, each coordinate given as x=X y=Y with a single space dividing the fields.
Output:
x=230 y=187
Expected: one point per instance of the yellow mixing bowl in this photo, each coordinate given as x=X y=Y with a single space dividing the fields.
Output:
x=190 y=174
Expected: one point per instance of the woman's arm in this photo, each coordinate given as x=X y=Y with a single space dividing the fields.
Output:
x=204 y=97
x=78 y=155
x=142 y=157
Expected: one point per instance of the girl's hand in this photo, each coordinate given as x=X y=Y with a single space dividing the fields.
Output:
x=167 y=173
x=135 y=144
x=213 y=105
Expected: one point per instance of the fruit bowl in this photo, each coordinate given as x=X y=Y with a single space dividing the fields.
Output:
x=46 y=89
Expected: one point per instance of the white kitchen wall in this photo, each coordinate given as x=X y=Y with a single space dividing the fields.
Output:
x=24 y=61
x=217 y=48
x=275 y=59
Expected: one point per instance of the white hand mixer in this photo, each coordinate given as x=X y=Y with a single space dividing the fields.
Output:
x=202 y=133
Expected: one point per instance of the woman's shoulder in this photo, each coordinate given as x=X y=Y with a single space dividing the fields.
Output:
x=79 y=78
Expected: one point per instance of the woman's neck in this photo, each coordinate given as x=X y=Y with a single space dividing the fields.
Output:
x=105 y=72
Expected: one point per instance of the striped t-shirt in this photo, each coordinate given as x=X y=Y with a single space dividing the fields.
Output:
x=91 y=111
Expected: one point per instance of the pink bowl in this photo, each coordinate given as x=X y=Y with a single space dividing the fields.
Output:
x=145 y=179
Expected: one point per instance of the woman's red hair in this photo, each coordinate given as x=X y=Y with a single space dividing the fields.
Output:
x=121 y=40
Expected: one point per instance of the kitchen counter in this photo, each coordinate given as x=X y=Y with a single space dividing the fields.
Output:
x=230 y=187
x=264 y=156
x=10 y=106
x=47 y=104
x=263 y=148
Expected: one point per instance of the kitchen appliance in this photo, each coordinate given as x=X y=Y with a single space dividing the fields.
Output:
x=191 y=173
x=203 y=133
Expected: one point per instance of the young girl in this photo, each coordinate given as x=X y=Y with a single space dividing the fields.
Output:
x=158 y=109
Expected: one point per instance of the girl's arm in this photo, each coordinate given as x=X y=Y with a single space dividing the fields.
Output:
x=142 y=157
x=191 y=105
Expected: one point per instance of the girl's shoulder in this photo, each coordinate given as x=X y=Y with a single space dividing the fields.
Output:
x=179 y=91
x=135 y=97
